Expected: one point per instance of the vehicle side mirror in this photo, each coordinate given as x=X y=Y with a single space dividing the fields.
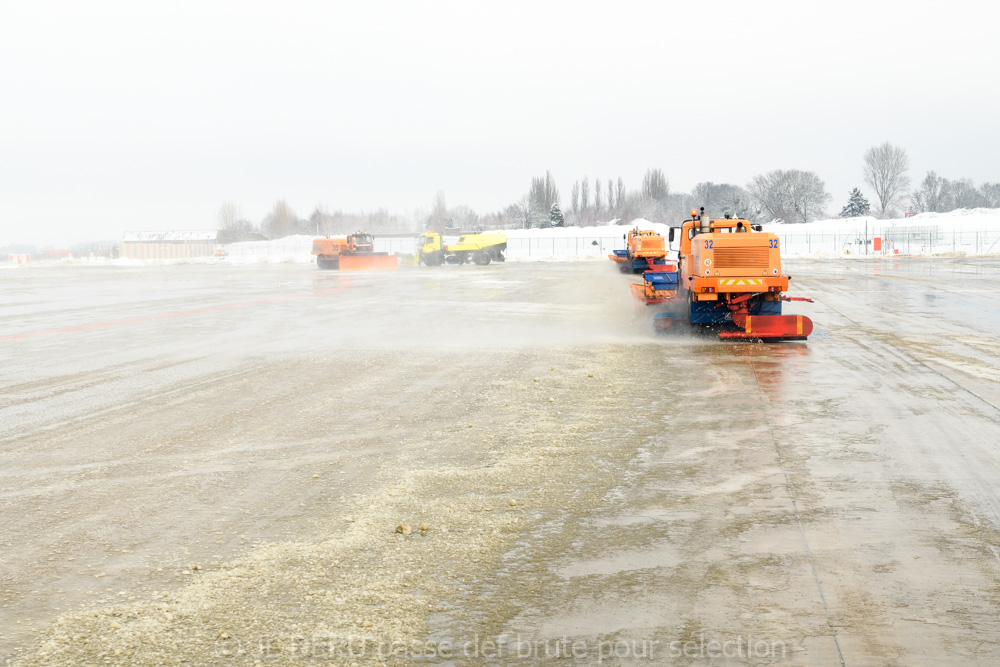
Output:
x=670 y=238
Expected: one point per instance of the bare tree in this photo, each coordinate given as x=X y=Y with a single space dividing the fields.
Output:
x=584 y=193
x=792 y=196
x=885 y=168
x=770 y=192
x=229 y=217
x=464 y=217
x=655 y=185
x=620 y=194
x=939 y=195
x=631 y=207
x=281 y=221
x=321 y=220
x=551 y=191
x=543 y=192
x=438 y=219
x=722 y=198
x=931 y=195
x=611 y=195
x=598 y=199
x=536 y=193
x=965 y=194
x=991 y=194
x=809 y=195
x=234 y=226
x=575 y=197
x=524 y=213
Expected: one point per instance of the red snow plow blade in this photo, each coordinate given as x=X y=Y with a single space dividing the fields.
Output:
x=362 y=262
x=769 y=328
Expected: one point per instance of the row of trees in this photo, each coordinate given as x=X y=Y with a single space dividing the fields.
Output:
x=540 y=206
x=600 y=200
x=282 y=220
x=789 y=195
x=885 y=171
x=939 y=194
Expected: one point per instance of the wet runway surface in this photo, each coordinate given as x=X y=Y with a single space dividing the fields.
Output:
x=211 y=463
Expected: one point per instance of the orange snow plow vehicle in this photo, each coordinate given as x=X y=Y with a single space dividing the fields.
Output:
x=728 y=274
x=645 y=250
x=355 y=252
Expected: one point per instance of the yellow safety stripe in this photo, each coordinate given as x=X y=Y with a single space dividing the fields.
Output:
x=743 y=281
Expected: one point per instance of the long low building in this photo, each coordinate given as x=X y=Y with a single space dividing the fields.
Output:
x=168 y=245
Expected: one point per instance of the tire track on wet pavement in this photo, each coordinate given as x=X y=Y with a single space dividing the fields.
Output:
x=765 y=403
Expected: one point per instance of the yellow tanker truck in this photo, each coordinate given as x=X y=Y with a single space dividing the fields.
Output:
x=481 y=248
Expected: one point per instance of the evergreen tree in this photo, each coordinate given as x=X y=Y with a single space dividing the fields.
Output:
x=857 y=205
x=556 y=216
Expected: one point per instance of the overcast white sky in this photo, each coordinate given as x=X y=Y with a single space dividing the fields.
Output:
x=127 y=115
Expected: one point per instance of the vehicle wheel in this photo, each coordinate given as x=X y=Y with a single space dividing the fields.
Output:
x=482 y=258
x=435 y=259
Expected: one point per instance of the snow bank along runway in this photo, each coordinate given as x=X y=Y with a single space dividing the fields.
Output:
x=230 y=464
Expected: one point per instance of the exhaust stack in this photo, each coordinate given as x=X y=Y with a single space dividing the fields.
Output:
x=705 y=225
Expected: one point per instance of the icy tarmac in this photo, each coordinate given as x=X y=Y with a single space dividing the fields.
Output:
x=230 y=464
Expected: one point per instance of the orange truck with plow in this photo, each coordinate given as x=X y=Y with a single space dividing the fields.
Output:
x=728 y=274
x=645 y=250
x=354 y=252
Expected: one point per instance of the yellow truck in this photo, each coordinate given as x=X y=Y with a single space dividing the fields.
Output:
x=481 y=248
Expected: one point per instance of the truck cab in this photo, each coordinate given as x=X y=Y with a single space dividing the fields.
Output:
x=360 y=242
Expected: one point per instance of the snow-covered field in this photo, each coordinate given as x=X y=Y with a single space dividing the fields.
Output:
x=962 y=232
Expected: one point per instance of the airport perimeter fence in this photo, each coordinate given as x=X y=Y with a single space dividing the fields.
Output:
x=297 y=247
x=517 y=247
x=563 y=246
x=896 y=240
x=276 y=248
x=528 y=246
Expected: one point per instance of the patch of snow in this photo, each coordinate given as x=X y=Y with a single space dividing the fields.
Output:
x=961 y=232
